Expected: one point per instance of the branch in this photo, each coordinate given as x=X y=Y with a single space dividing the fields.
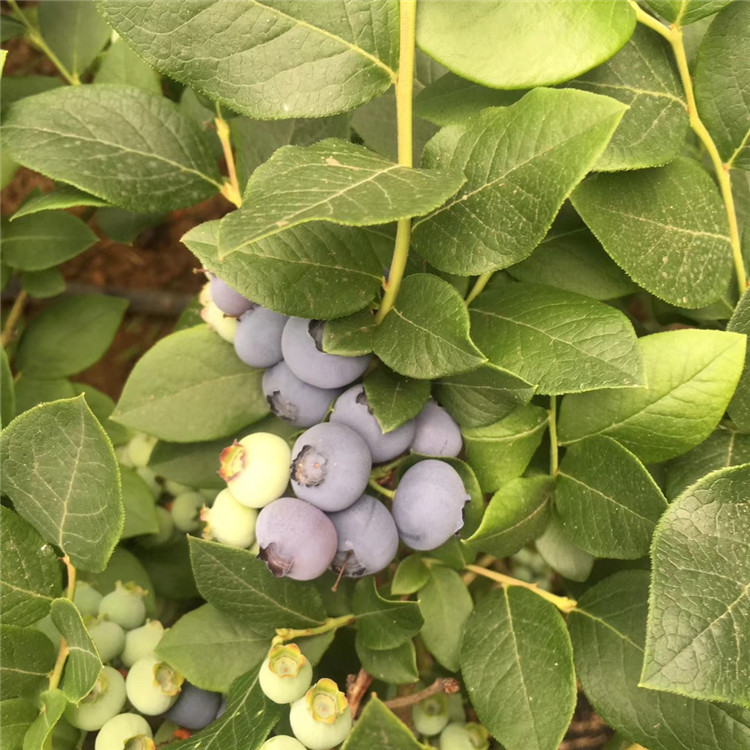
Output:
x=446 y=685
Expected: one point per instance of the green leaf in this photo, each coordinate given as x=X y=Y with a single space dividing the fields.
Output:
x=396 y=666
x=378 y=727
x=118 y=143
x=350 y=336
x=317 y=270
x=572 y=259
x=561 y=554
x=607 y=501
x=411 y=574
x=43 y=284
x=725 y=446
x=394 y=399
x=426 y=334
x=331 y=181
x=83 y=665
x=168 y=566
x=75 y=32
x=16 y=714
x=700 y=591
x=643 y=76
x=62 y=197
x=682 y=13
x=7 y=390
x=517 y=663
x=26 y=659
x=33 y=244
x=69 y=335
x=70 y=489
x=482 y=396
x=138 y=502
x=563 y=342
x=191 y=386
x=39 y=734
x=516 y=514
x=121 y=65
x=247 y=721
x=11 y=29
x=125 y=226
x=691 y=375
x=739 y=406
x=608 y=630
x=33 y=391
x=445 y=604
x=383 y=623
x=103 y=406
x=666 y=227
x=325 y=58
x=504 y=209
x=239 y=584
x=30 y=577
x=19 y=87
x=551 y=40
x=211 y=649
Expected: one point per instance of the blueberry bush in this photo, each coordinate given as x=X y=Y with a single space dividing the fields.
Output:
x=458 y=427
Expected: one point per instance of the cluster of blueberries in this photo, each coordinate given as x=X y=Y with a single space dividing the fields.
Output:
x=331 y=522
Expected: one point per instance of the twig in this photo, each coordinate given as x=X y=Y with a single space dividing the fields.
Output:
x=479 y=286
x=446 y=685
x=9 y=329
x=356 y=687
x=373 y=484
x=231 y=190
x=484 y=562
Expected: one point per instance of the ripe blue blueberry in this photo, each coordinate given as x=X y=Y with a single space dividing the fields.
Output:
x=321 y=719
x=258 y=337
x=302 y=346
x=293 y=400
x=330 y=466
x=125 y=731
x=194 y=708
x=353 y=410
x=428 y=505
x=124 y=605
x=295 y=539
x=105 y=700
x=285 y=674
x=368 y=538
x=430 y=715
x=152 y=685
x=228 y=300
x=437 y=433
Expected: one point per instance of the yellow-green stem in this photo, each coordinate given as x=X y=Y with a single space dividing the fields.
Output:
x=404 y=91
x=561 y=602
x=382 y=490
x=63 y=651
x=332 y=623
x=70 y=592
x=553 y=452
x=9 y=328
x=230 y=190
x=479 y=286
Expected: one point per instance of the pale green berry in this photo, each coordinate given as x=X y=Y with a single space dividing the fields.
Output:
x=282 y=742
x=46 y=626
x=456 y=710
x=256 y=468
x=186 y=509
x=152 y=685
x=285 y=674
x=124 y=605
x=224 y=325
x=139 y=449
x=230 y=522
x=166 y=530
x=125 y=732
x=141 y=642
x=149 y=477
x=321 y=719
x=430 y=715
x=461 y=736
x=175 y=488
x=108 y=637
x=105 y=700
x=87 y=599
x=123 y=456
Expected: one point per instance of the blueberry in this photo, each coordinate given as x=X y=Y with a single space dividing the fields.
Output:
x=224 y=325
x=368 y=538
x=141 y=642
x=428 y=505
x=330 y=466
x=258 y=337
x=293 y=400
x=437 y=433
x=462 y=736
x=430 y=715
x=87 y=599
x=121 y=729
x=195 y=708
x=295 y=538
x=353 y=410
x=255 y=468
x=228 y=300
x=46 y=626
x=105 y=701
x=285 y=674
x=282 y=742
x=108 y=637
x=176 y=488
x=124 y=605
x=149 y=477
x=152 y=685
x=230 y=522
x=139 y=449
x=321 y=719
x=301 y=344
x=186 y=510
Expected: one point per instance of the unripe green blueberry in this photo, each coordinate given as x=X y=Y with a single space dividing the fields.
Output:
x=461 y=736
x=125 y=732
x=105 y=700
x=46 y=626
x=87 y=599
x=108 y=637
x=285 y=674
x=229 y=522
x=430 y=715
x=166 y=530
x=224 y=325
x=321 y=719
x=123 y=456
x=124 y=605
x=176 y=488
x=141 y=642
x=149 y=477
x=282 y=742
x=139 y=449
x=186 y=509
x=152 y=685
x=456 y=710
x=256 y=468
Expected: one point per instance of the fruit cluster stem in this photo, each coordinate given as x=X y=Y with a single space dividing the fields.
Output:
x=63 y=651
x=230 y=190
x=14 y=316
x=332 y=623
x=479 y=286
x=404 y=91
x=673 y=34
x=553 y=450
x=373 y=484
x=441 y=685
